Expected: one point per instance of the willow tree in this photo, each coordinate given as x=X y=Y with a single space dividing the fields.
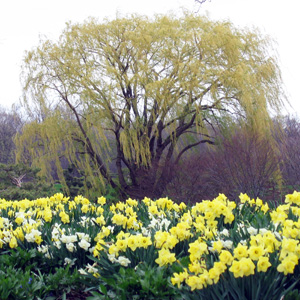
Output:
x=122 y=98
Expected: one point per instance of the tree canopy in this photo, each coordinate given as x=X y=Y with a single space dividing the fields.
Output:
x=123 y=98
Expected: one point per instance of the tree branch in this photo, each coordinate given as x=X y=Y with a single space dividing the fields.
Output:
x=191 y=146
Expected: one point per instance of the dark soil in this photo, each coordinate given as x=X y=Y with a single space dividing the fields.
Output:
x=77 y=295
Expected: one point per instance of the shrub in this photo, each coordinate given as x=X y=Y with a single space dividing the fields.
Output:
x=242 y=162
x=18 y=182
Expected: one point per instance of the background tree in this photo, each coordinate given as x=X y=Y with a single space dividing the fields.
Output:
x=289 y=146
x=245 y=162
x=10 y=123
x=151 y=85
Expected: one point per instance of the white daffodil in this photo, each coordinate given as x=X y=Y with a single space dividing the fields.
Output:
x=91 y=269
x=68 y=238
x=84 y=244
x=30 y=237
x=70 y=247
x=251 y=230
x=57 y=244
x=69 y=261
x=43 y=249
x=123 y=261
x=82 y=272
x=227 y=244
x=112 y=257
x=224 y=232
x=262 y=231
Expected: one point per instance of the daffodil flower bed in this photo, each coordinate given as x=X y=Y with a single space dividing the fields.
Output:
x=216 y=249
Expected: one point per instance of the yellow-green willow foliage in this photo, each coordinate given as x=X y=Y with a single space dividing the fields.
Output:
x=125 y=91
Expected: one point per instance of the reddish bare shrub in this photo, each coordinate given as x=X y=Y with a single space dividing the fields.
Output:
x=245 y=162
x=289 y=145
x=189 y=182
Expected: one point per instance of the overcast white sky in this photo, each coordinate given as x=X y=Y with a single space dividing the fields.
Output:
x=22 y=21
